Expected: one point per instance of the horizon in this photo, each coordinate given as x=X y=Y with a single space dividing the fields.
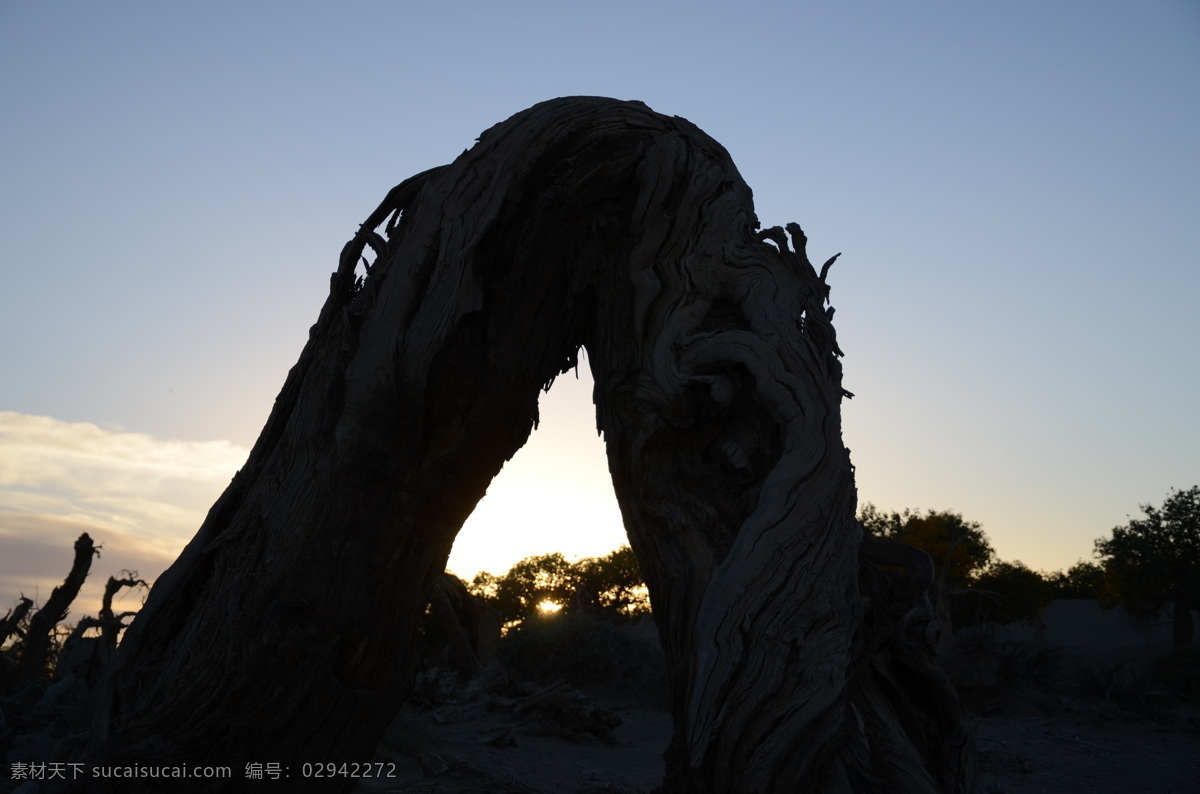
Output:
x=1013 y=189
x=474 y=551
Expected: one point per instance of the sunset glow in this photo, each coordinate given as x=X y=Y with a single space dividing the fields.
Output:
x=1002 y=180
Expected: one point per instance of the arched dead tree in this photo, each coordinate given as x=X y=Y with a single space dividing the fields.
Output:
x=284 y=631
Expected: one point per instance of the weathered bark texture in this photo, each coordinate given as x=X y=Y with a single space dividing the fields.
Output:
x=284 y=631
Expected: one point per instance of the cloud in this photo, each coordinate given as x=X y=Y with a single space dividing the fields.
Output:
x=140 y=497
x=38 y=552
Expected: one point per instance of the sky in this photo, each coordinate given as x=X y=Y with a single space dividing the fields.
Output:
x=1015 y=188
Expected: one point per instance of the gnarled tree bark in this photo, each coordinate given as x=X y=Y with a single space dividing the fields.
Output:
x=797 y=661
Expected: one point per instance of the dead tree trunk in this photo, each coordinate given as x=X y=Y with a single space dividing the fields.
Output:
x=580 y=221
x=11 y=624
x=35 y=651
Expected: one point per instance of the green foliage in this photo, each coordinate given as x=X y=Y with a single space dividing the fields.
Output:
x=1154 y=561
x=585 y=651
x=959 y=549
x=1010 y=592
x=590 y=638
x=610 y=586
x=530 y=582
x=1081 y=580
x=979 y=587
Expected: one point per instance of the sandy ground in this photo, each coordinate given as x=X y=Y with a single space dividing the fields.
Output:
x=471 y=748
x=1083 y=747
x=1092 y=749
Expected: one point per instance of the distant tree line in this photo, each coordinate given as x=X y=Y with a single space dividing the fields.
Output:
x=1144 y=566
x=971 y=585
x=1154 y=561
x=609 y=587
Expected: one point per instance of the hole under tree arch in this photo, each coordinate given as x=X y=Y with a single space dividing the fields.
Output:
x=555 y=495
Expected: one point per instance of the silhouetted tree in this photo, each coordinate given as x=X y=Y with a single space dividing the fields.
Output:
x=37 y=643
x=84 y=656
x=14 y=620
x=611 y=586
x=1009 y=592
x=959 y=549
x=12 y=633
x=1082 y=580
x=1154 y=561
x=797 y=658
x=519 y=593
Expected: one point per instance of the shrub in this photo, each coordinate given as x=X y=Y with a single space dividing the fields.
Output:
x=585 y=651
x=1179 y=671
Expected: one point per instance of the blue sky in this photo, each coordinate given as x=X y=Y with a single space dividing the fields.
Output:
x=1015 y=188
